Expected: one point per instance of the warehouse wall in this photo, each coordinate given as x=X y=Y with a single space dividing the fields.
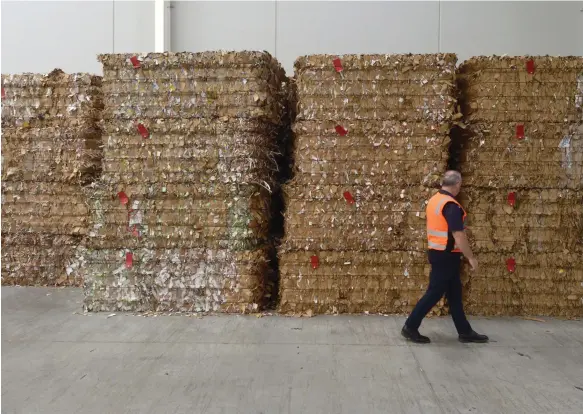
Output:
x=466 y=28
x=198 y=26
x=514 y=28
x=39 y=36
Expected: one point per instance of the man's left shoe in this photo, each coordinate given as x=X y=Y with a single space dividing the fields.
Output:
x=473 y=337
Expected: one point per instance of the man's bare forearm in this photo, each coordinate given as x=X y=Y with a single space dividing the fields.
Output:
x=461 y=240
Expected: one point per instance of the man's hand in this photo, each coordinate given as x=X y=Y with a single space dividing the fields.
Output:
x=461 y=241
x=474 y=263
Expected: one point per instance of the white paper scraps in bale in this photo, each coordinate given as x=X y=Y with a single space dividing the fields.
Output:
x=181 y=214
x=51 y=149
x=523 y=176
x=371 y=144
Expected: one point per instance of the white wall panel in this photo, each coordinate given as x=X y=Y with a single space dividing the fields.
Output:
x=134 y=26
x=515 y=28
x=355 y=27
x=41 y=36
x=199 y=26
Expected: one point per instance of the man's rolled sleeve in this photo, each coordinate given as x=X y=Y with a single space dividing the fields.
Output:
x=454 y=216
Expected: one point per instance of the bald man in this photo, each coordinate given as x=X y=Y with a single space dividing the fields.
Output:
x=447 y=242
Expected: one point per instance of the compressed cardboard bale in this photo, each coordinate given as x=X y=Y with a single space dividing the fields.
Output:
x=144 y=90
x=370 y=146
x=516 y=283
x=370 y=270
x=500 y=304
x=330 y=218
x=381 y=158
x=370 y=172
x=516 y=202
x=380 y=79
x=50 y=128
x=352 y=281
x=332 y=231
x=523 y=290
x=549 y=158
x=31 y=100
x=190 y=161
x=385 y=137
x=202 y=154
x=38 y=259
x=522 y=220
x=553 y=306
x=525 y=240
x=559 y=166
x=518 y=88
x=55 y=153
x=317 y=302
x=242 y=170
x=167 y=219
x=51 y=148
x=565 y=261
x=366 y=197
x=412 y=108
x=321 y=240
x=172 y=280
x=49 y=208
x=525 y=121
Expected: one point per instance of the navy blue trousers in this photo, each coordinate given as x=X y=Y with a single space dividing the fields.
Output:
x=444 y=279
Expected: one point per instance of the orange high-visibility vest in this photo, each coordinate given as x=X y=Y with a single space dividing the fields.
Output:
x=436 y=223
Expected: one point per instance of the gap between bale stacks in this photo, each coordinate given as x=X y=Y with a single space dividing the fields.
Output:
x=371 y=142
x=522 y=162
x=181 y=213
x=51 y=149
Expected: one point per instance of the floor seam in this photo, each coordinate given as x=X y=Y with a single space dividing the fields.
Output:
x=426 y=378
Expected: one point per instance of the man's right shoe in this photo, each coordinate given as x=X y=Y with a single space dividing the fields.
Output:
x=414 y=336
x=473 y=337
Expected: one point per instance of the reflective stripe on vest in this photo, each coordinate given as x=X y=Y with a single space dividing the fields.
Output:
x=436 y=246
x=437 y=228
x=437 y=233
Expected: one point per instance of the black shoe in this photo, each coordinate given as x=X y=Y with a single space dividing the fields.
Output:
x=414 y=336
x=473 y=337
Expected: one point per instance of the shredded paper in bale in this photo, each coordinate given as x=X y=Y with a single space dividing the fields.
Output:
x=50 y=149
x=523 y=178
x=181 y=214
x=371 y=143
x=525 y=121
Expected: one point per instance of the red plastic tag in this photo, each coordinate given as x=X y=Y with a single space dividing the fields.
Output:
x=337 y=65
x=135 y=232
x=135 y=62
x=315 y=262
x=512 y=199
x=123 y=198
x=3 y=93
x=341 y=130
x=129 y=260
x=530 y=66
x=520 y=131
x=143 y=131
x=511 y=264
x=348 y=197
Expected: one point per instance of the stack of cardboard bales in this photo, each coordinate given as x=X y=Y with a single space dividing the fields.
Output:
x=523 y=189
x=50 y=149
x=371 y=143
x=181 y=214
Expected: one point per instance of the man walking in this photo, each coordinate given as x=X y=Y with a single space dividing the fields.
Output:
x=447 y=241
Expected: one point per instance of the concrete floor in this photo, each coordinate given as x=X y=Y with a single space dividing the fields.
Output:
x=57 y=361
